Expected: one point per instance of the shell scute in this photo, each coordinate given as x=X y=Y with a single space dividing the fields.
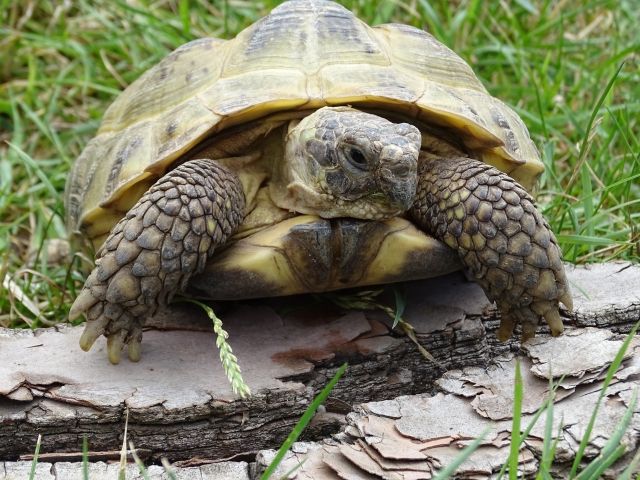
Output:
x=305 y=54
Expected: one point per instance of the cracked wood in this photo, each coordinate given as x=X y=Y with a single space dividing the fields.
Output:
x=181 y=406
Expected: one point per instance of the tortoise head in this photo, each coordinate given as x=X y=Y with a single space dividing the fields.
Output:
x=341 y=162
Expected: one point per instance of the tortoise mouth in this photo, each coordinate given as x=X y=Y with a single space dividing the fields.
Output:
x=308 y=254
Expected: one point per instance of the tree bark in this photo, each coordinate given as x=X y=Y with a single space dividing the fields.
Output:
x=179 y=402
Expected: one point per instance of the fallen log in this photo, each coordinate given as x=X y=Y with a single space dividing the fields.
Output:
x=180 y=404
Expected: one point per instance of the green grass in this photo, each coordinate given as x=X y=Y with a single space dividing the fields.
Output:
x=570 y=69
x=299 y=427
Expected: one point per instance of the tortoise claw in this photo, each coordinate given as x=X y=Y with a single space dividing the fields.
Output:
x=567 y=300
x=555 y=322
x=528 y=331
x=505 y=330
x=130 y=334
x=83 y=303
x=134 y=351
x=115 y=342
x=134 y=345
x=92 y=330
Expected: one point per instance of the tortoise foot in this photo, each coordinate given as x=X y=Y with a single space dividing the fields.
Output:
x=500 y=236
x=152 y=252
x=106 y=316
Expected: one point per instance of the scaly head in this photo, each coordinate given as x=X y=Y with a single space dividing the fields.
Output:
x=341 y=162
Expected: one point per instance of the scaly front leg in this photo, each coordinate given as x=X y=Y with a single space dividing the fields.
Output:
x=501 y=238
x=153 y=251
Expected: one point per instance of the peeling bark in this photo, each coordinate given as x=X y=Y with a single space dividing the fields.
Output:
x=413 y=436
x=180 y=405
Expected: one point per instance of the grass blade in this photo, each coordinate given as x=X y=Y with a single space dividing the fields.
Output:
x=612 y=449
x=227 y=358
x=515 y=426
x=294 y=468
x=303 y=422
x=585 y=240
x=34 y=462
x=168 y=469
x=139 y=463
x=547 y=406
x=122 y=471
x=446 y=472
x=631 y=468
x=547 y=443
x=613 y=368
x=85 y=458
x=401 y=304
x=183 y=9
x=587 y=135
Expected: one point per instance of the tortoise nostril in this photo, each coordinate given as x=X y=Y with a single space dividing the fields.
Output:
x=395 y=168
x=399 y=160
x=400 y=170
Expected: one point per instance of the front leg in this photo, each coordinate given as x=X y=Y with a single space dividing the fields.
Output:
x=152 y=252
x=500 y=236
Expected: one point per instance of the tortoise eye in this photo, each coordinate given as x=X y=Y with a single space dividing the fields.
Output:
x=357 y=158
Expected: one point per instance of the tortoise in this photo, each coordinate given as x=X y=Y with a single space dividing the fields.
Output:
x=310 y=153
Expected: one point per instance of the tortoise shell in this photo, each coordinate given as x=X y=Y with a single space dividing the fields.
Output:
x=304 y=55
